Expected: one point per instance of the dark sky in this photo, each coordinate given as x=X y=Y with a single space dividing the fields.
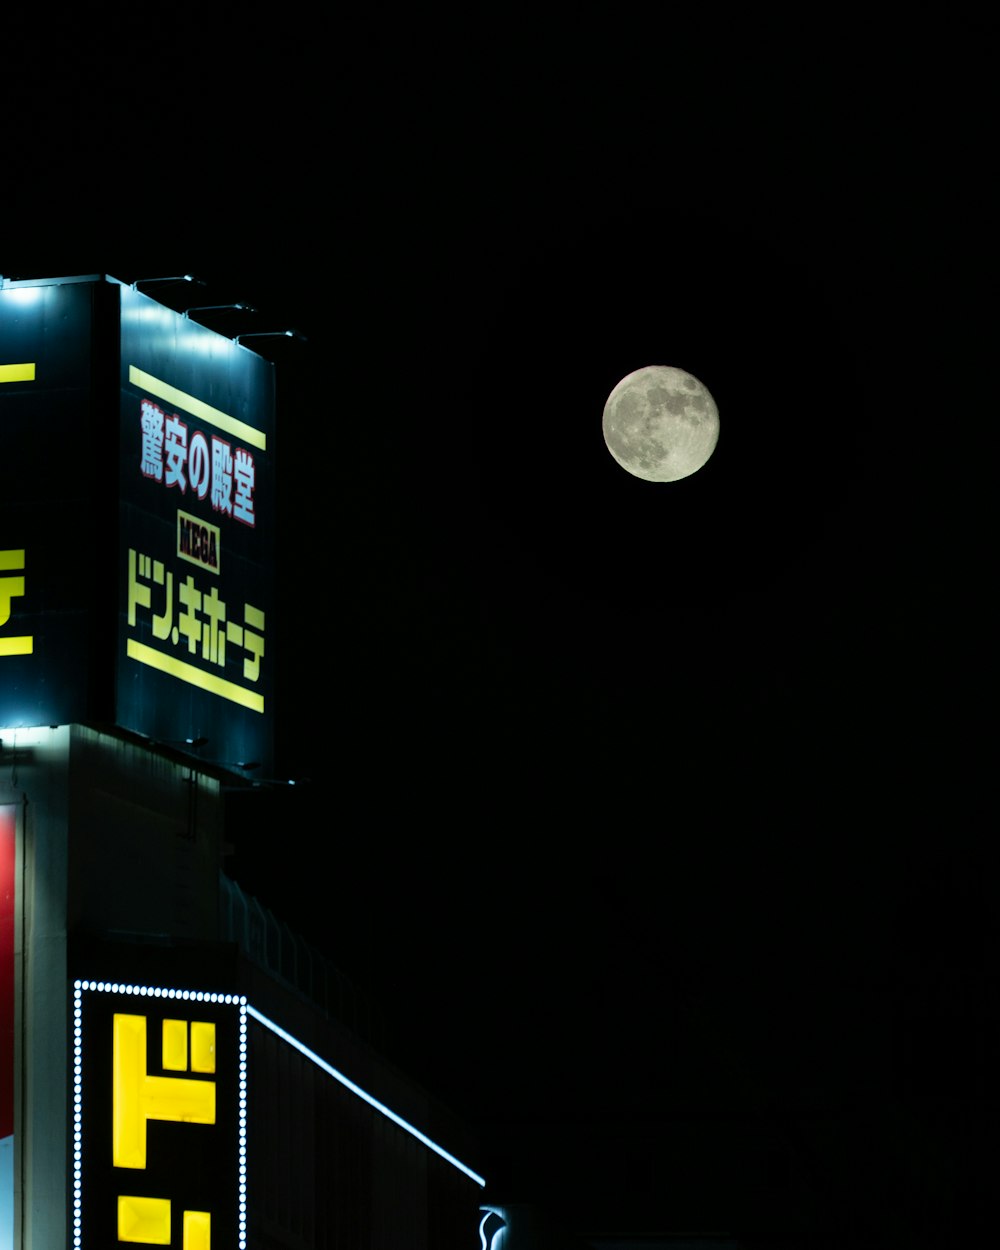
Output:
x=652 y=815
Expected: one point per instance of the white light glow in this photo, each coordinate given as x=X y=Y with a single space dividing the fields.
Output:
x=16 y=737
x=493 y=1242
x=24 y=294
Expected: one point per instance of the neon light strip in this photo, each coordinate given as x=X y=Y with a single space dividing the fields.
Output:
x=356 y=1089
x=487 y=1212
x=22 y=645
x=195 y=676
x=17 y=373
x=197 y=408
x=148 y=991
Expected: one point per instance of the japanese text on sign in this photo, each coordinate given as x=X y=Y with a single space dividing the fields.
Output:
x=202 y=620
x=12 y=587
x=217 y=472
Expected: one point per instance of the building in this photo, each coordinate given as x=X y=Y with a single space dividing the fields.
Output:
x=177 y=1070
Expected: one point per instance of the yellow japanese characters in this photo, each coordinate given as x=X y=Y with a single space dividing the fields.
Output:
x=139 y=1098
x=12 y=587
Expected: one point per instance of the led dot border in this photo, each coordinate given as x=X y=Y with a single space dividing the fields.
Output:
x=152 y=991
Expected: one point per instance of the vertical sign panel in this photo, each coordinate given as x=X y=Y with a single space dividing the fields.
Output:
x=52 y=478
x=160 y=1117
x=7 y=885
x=196 y=636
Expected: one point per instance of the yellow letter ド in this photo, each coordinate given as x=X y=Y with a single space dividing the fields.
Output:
x=139 y=1097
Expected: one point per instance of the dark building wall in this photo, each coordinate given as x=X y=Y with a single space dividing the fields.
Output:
x=35 y=779
x=119 y=850
x=328 y=1170
x=146 y=840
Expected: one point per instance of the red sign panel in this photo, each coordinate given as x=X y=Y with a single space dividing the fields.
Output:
x=8 y=813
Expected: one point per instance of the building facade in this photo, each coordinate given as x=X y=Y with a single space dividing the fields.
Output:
x=164 y=1081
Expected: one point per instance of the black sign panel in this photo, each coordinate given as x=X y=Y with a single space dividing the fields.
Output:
x=54 y=544
x=196 y=488
x=159 y=1116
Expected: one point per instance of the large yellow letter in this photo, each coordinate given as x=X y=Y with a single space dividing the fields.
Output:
x=139 y=1097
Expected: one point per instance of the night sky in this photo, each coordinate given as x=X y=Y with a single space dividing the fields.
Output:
x=652 y=816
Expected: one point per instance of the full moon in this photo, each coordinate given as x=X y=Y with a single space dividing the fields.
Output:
x=661 y=424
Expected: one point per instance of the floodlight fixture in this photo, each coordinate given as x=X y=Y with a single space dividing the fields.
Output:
x=180 y=277
x=271 y=334
x=219 y=308
x=185 y=744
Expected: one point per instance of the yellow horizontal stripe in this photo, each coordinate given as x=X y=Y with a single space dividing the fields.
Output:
x=197 y=408
x=16 y=646
x=12 y=559
x=17 y=373
x=195 y=676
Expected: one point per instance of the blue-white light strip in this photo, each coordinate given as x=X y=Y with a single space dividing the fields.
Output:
x=356 y=1089
x=502 y=1224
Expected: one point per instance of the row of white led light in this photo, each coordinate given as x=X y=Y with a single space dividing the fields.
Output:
x=150 y=991
x=147 y=991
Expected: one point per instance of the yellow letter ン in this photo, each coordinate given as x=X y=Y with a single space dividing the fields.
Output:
x=12 y=588
x=139 y=1097
x=197 y=1230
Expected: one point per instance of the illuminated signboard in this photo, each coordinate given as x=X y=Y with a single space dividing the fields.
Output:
x=136 y=519
x=196 y=534
x=159 y=1113
x=7 y=882
x=54 y=521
